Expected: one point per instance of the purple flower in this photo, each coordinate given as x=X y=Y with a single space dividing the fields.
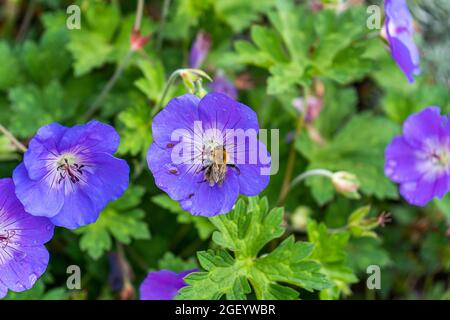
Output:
x=206 y=152
x=23 y=256
x=163 y=285
x=399 y=28
x=199 y=50
x=223 y=85
x=69 y=174
x=419 y=160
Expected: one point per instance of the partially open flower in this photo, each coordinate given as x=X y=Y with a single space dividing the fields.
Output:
x=399 y=30
x=199 y=50
x=138 y=41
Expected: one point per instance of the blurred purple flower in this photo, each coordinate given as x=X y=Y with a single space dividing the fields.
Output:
x=399 y=28
x=315 y=106
x=216 y=165
x=23 y=256
x=223 y=85
x=69 y=174
x=163 y=284
x=419 y=160
x=199 y=50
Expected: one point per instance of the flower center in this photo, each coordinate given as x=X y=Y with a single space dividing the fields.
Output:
x=214 y=164
x=69 y=168
x=441 y=158
x=5 y=237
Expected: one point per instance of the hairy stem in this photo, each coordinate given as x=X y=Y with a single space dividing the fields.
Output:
x=310 y=173
x=139 y=13
x=13 y=139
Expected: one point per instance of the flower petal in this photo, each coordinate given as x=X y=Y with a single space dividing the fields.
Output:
x=218 y=111
x=210 y=201
x=422 y=126
x=421 y=192
x=178 y=181
x=163 y=285
x=179 y=115
x=40 y=198
x=93 y=136
x=401 y=161
x=42 y=149
x=107 y=180
x=254 y=176
x=78 y=210
x=24 y=266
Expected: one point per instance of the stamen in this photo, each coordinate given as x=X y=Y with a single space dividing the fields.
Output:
x=68 y=168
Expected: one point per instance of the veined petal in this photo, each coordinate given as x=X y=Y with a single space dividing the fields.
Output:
x=43 y=197
x=177 y=118
x=91 y=137
x=210 y=201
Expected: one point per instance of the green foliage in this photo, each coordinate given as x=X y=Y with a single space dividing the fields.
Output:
x=33 y=107
x=244 y=232
x=204 y=227
x=135 y=133
x=120 y=220
x=302 y=45
x=330 y=251
x=357 y=148
x=171 y=262
x=273 y=51
x=10 y=72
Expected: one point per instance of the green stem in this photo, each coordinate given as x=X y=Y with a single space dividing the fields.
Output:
x=13 y=139
x=120 y=68
x=310 y=173
x=108 y=87
x=165 y=11
x=169 y=83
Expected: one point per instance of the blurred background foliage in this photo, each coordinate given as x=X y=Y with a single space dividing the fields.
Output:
x=272 y=51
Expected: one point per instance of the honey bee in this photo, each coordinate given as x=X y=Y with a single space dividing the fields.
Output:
x=215 y=165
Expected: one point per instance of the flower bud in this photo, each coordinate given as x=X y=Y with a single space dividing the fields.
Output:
x=138 y=41
x=199 y=49
x=346 y=183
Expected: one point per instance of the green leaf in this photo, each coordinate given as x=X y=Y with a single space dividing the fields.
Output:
x=245 y=231
x=171 y=262
x=357 y=148
x=120 y=219
x=135 y=131
x=240 y=14
x=33 y=107
x=330 y=250
x=49 y=54
x=89 y=50
x=204 y=227
x=153 y=82
x=10 y=72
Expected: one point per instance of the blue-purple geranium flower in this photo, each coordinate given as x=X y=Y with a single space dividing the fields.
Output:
x=163 y=285
x=70 y=174
x=206 y=152
x=399 y=28
x=23 y=256
x=419 y=160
